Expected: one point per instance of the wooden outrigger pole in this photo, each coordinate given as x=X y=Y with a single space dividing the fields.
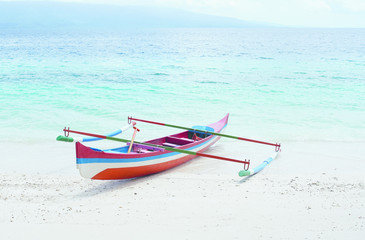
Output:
x=242 y=173
x=276 y=145
x=68 y=139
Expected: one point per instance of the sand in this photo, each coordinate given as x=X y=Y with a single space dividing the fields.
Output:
x=313 y=190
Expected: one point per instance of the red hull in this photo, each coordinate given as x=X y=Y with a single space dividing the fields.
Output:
x=110 y=165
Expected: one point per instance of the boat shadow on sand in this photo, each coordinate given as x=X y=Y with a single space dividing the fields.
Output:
x=106 y=186
x=246 y=179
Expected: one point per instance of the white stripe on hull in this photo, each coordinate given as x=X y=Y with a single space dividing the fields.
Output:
x=89 y=170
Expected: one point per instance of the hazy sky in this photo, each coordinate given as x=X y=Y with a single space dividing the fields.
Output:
x=309 y=13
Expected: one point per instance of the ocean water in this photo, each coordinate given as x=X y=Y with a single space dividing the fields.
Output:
x=277 y=84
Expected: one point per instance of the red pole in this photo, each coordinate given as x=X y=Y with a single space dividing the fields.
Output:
x=246 y=162
x=276 y=145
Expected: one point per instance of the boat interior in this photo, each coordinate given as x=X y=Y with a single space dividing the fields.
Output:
x=175 y=140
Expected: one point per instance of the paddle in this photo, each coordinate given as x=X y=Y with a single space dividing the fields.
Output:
x=277 y=146
x=134 y=135
x=68 y=139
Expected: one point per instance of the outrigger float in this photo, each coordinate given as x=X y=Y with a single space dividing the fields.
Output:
x=137 y=159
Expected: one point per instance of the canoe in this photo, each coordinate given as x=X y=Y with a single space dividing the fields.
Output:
x=144 y=160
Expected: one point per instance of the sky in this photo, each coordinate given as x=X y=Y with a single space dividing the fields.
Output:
x=301 y=13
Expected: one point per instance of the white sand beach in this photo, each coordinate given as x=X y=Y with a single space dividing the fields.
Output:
x=311 y=191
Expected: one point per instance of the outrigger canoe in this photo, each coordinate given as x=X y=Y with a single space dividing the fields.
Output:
x=143 y=159
x=137 y=159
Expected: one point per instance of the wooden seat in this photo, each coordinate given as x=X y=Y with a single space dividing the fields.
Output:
x=170 y=144
x=178 y=141
x=137 y=145
x=141 y=150
x=187 y=139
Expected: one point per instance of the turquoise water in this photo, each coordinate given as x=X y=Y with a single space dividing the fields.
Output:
x=277 y=84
